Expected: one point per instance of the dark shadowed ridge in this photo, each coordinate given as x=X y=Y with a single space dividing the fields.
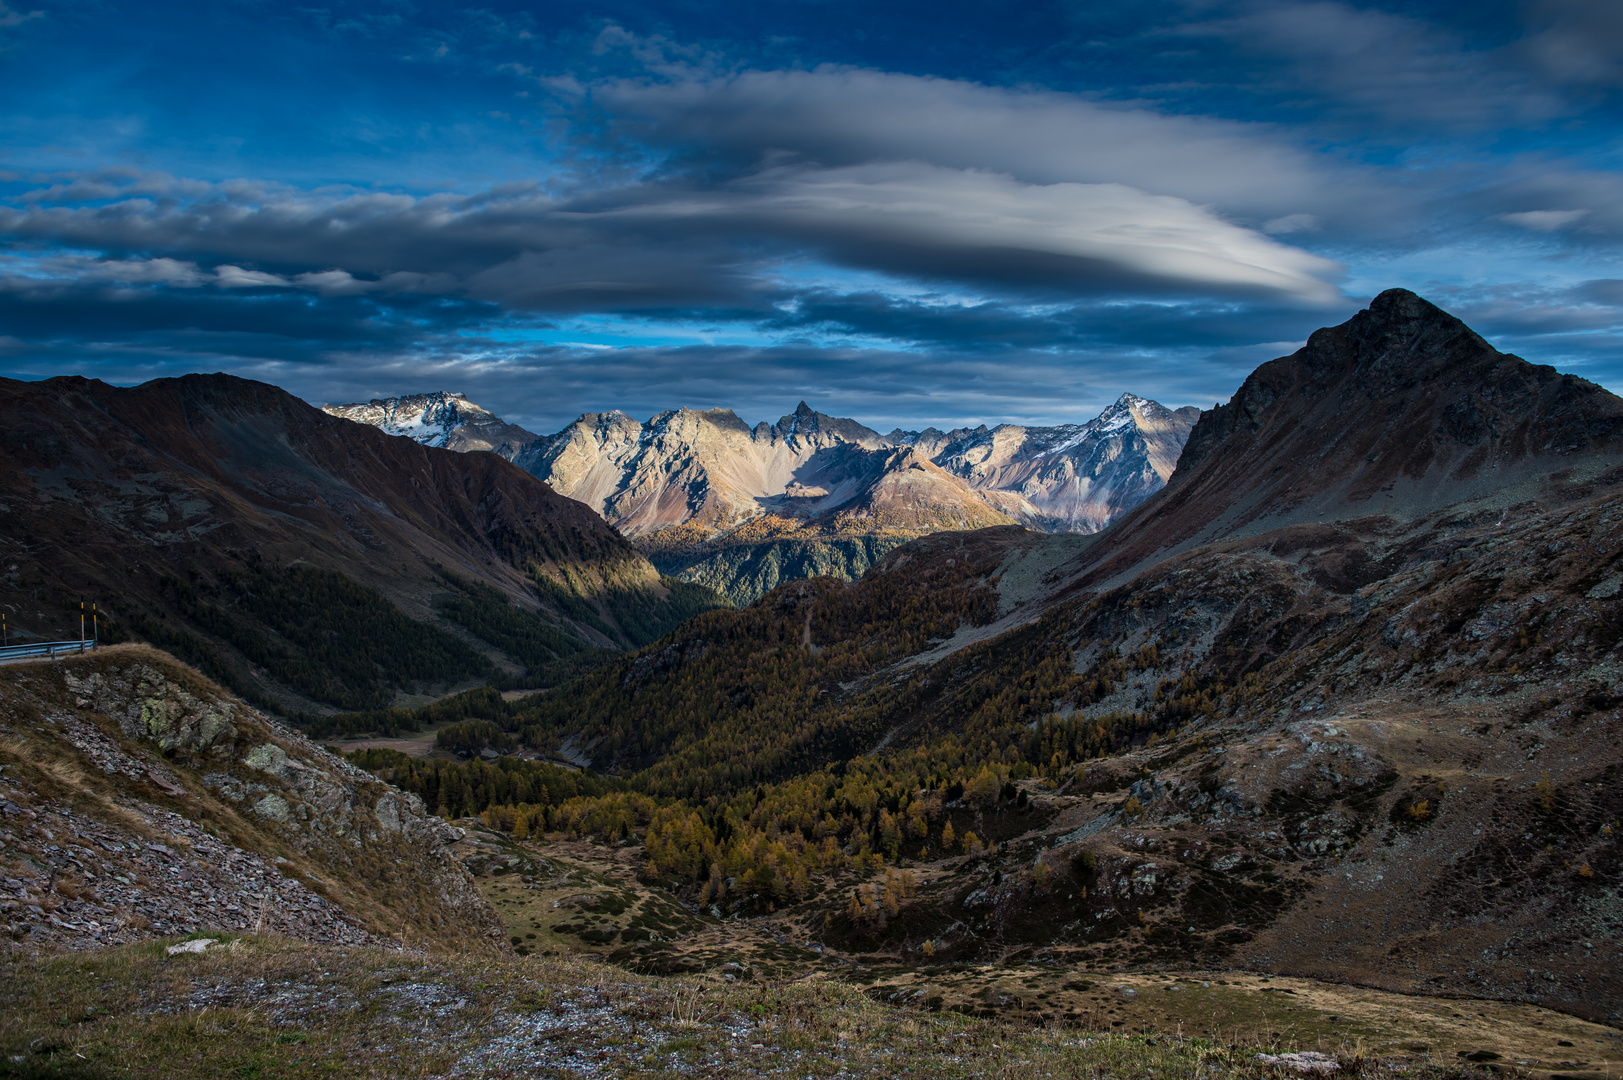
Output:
x=109 y=465
x=1395 y=414
x=133 y=496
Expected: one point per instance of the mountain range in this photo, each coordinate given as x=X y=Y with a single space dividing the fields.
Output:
x=738 y=508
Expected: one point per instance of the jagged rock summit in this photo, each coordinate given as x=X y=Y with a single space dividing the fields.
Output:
x=705 y=468
x=1072 y=478
x=442 y=419
x=709 y=471
x=741 y=508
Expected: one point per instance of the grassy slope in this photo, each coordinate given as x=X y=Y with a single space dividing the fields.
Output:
x=273 y=1008
x=562 y=898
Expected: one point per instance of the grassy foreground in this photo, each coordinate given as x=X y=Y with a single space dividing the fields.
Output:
x=265 y=1007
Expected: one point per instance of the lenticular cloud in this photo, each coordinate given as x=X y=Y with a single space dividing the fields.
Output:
x=649 y=243
x=971 y=224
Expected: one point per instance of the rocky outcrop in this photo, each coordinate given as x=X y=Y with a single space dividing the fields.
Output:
x=141 y=800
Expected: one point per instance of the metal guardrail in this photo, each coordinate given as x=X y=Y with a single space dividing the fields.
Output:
x=48 y=649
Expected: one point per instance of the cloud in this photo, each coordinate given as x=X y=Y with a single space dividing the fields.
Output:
x=1364 y=62
x=1577 y=41
x=1544 y=220
x=1290 y=223
x=899 y=247
x=839 y=116
x=1552 y=196
x=10 y=18
x=160 y=271
x=932 y=222
x=679 y=244
x=235 y=277
x=928 y=219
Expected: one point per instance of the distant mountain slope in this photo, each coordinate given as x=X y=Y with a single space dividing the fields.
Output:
x=739 y=509
x=442 y=419
x=300 y=558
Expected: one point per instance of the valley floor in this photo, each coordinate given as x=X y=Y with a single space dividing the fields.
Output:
x=581 y=899
x=270 y=1007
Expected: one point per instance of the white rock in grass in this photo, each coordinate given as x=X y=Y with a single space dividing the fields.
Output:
x=197 y=945
x=1307 y=1062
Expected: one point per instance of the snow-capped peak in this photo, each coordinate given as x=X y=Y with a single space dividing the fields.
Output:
x=426 y=418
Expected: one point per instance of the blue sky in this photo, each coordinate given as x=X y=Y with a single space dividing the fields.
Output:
x=908 y=213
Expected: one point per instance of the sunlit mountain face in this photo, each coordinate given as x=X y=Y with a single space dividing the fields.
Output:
x=918 y=214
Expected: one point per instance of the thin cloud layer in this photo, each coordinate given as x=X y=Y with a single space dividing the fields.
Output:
x=1398 y=68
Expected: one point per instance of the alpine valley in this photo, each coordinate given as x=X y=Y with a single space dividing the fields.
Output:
x=1290 y=725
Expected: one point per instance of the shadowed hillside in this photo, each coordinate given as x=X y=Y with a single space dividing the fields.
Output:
x=304 y=560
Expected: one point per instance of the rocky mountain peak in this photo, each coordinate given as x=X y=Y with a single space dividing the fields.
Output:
x=1399 y=340
x=705 y=472
x=444 y=419
x=1403 y=390
x=1397 y=412
x=818 y=429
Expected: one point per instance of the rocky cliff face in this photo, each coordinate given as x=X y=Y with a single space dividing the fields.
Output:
x=445 y=420
x=137 y=800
